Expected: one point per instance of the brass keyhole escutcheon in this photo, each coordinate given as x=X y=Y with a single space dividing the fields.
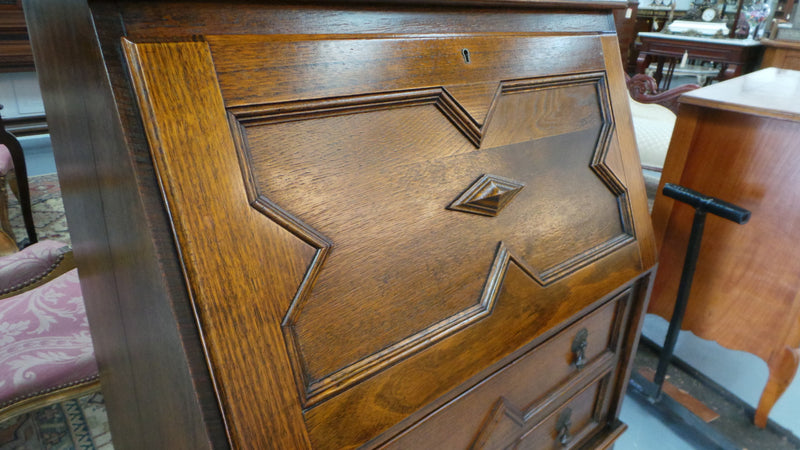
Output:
x=465 y=54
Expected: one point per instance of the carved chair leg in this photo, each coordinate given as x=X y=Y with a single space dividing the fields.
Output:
x=782 y=368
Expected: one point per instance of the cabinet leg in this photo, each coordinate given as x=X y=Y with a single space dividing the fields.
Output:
x=782 y=368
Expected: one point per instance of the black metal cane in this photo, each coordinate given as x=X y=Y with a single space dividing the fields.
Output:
x=702 y=204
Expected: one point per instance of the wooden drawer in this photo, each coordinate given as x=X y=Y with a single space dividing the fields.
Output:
x=511 y=402
x=570 y=424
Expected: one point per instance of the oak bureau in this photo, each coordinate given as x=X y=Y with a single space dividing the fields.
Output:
x=340 y=225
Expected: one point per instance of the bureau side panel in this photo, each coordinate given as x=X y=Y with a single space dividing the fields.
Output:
x=130 y=277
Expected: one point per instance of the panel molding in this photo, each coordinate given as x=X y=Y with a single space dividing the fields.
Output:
x=316 y=390
x=316 y=109
x=600 y=167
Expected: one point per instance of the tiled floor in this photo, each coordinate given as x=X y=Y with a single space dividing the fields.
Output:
x=646 y=431
x=742 y=374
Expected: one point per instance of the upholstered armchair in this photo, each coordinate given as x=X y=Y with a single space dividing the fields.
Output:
x=654 y=115
x=46 y=352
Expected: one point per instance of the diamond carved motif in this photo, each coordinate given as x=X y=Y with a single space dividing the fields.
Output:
x=487 y=196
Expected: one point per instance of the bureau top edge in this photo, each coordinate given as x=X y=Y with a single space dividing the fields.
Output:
x=534 y=4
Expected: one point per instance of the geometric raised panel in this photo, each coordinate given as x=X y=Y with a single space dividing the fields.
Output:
x=537 y=139
x=336 y=269
x=487 y=196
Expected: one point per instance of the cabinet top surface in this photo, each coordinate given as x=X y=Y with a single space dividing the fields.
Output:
x=768 y=92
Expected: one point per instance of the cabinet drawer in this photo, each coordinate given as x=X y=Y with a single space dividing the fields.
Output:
x=508 y=404
x=570 y=424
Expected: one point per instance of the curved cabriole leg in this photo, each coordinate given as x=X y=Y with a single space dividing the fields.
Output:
x=782 y=368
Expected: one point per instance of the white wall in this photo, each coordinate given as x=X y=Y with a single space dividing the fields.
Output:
x=20 y=95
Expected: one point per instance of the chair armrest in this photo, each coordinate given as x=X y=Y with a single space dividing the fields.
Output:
x=33 y=266
x=643 y=89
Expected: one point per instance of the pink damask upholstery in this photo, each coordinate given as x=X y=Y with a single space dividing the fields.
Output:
x=30 y=264
x=6 y=163
x=45 y=343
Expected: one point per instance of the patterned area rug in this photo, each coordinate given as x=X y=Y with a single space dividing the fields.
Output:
x=73 y=424
x=48 y=210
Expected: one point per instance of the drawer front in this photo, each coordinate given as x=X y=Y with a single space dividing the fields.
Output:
x=536 y=381
x=569 y=425
x=391 y=216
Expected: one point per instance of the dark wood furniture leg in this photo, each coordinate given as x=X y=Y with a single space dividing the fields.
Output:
x=729 y=71
x=643 y=61
x=659 y=73
x=21 y=171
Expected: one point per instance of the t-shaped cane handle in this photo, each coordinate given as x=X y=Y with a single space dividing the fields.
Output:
x=709 y=204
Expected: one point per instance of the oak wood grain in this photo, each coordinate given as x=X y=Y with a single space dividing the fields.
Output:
x=293 y=188
x=152 y=86
x=121 y=239
x=519 y=384
x=181 y=74
x=629 y=164
x=256 y=67
x=583 y=412
x=170 y=19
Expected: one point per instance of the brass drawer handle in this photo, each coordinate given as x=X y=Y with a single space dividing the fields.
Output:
x=579 y=348
x=562 y=425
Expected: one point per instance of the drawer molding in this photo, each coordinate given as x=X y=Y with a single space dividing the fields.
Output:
x=507 y=423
